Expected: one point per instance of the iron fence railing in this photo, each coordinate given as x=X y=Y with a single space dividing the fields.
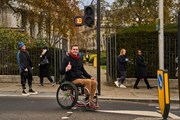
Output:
x=149 y=47
x=8 y=59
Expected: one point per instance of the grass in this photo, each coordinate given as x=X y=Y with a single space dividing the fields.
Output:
x=103 y=67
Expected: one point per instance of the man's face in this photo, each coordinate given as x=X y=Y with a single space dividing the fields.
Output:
x=23 y=48
x=74 y=50
x=139 y=52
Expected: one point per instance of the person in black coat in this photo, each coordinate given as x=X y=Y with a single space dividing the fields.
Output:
x=141 y=70
x=44 y=66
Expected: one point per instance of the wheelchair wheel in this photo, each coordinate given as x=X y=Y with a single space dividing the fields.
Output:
x=67 y=95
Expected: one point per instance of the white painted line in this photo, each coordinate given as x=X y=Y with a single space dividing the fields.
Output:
x=174 y=107
x=147 y=118
x=74 y=108
x=130 y=112
x=39 y=95
x=65 y=118
x=69 y=112
x=174 y=116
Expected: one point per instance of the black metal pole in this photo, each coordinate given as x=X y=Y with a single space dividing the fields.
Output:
x=115 y=52
x=179 y=54
x=98 y=46
x=107 y=59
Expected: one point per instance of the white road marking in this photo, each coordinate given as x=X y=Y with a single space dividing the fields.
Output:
x=147 y=118
x=132 y=112
x=69 y=112
x=39 y=95
x=174 y=116
x=65 y=118
x=171 y=115
x=142 y=113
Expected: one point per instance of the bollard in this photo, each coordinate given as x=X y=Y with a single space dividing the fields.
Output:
x=95 y=62
x=163 y=93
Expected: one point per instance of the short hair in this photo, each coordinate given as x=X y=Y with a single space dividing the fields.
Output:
x=75 y=45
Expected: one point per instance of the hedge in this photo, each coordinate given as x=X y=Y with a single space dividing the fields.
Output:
x=8 y=50
x=146 y=39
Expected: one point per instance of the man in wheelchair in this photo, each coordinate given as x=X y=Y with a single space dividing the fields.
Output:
x=74 y=71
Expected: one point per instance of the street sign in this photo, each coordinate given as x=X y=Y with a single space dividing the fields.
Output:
x=163 y=92
x=157 y=24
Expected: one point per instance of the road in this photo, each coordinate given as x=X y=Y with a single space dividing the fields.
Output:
x=43 y=108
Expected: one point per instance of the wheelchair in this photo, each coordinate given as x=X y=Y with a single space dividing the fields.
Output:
x=70 y=95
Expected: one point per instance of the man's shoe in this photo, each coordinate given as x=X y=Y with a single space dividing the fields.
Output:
x=116 y=83
x=24 y=93
x=93 y=105
x=122 y=86
x=31 y=92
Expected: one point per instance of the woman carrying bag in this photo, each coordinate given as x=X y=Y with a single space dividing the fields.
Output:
x=44 y=66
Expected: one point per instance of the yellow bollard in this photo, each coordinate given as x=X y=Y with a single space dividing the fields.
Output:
x=163 y=92
x=95 y=62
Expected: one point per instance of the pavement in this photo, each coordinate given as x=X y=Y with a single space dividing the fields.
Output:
x=108 y=91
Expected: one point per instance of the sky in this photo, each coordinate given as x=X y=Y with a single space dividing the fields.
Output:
x=110 y=1
x=87 y=2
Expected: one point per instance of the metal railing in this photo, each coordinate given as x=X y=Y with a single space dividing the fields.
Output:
x=149 y=47
x=8 y=59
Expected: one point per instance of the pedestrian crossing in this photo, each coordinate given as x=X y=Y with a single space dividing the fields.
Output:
x=155 y=114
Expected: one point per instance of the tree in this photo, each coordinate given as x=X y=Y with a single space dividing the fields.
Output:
x=54 y=16
x=134 y=12
x=138 y=12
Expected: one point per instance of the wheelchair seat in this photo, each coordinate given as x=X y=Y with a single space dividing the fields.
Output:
x=77 y=85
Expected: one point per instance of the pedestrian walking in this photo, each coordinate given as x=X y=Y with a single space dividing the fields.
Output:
x=25 y=68
x=44 y=66
x=122 y=60
x=141 y=70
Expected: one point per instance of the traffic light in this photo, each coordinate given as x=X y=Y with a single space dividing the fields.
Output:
x=78 y=20
x=89 y=16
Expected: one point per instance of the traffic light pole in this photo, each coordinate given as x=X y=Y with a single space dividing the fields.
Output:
x=98 y=46
x=161 y=35
x=179 y=54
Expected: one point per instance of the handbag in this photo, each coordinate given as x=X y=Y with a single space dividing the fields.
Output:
x=44 y=61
